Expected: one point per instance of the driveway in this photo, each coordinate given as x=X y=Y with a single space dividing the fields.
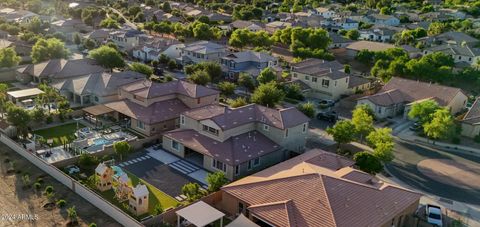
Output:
x=406 y=168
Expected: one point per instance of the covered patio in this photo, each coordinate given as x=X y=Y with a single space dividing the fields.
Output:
x=199 y=214
x=98 y=114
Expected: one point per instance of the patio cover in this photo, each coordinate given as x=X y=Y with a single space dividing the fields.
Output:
x=200 y=214
x=25 y=93
x=97 y=110
x=242 y=221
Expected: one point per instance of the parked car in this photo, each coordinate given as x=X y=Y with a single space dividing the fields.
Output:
x=72 y=169
x=326 y=103
x=416 y=127
x=434 y=215
x=330 y=116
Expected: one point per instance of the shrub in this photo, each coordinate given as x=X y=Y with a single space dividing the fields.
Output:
x=48 y=189
x=368 y=162
x=92 y=225
x=37 y=185
x=456 y=140
x=477 y=138
x=49 y=119
x=61 y=203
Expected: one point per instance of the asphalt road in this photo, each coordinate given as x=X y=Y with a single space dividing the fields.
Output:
x=404 y=167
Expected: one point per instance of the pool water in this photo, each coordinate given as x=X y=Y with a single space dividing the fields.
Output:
x=101 y=141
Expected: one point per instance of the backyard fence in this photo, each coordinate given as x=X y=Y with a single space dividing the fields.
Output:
x=89 y=195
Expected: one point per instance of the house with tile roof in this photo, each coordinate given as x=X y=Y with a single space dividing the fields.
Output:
x=151 y=108
x=327 y=191
x=461 y=54
x=252 y=26
x=126 y=39
x=380 y=19
x=238 y=141
x=95 y=88
x=327 y=79
x=152 y=49
x=201 y=51
x=250 y=62
x=57 y=69
x=471 y=121
x=398 y=94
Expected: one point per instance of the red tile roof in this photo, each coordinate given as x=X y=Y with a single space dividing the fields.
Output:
x=300 y=193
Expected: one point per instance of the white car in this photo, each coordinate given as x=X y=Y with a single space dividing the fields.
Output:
x=434 y=215
x=72 y=169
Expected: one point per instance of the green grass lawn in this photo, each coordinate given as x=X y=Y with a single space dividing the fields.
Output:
x=156 y=196
x=59 y=133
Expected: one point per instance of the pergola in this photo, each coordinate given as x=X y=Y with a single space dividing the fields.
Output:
x=242 y=221
x=93 y=112
x=199 y=214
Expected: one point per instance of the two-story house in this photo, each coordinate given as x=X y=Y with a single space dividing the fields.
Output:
x=377 y=34
x=325 y=12
x=327 y=79
x=380 y=19
x=201 y=51
x=151 y=108
x=68 y=27
x=126 y=39
x=461 y=54
x=250 y=62
x=238 y=141
x=336 y=24
x=152 y=50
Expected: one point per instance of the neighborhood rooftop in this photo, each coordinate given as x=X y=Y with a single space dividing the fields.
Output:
x=149 y=89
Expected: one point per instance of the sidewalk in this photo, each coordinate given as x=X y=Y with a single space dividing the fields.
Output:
x=410 y=136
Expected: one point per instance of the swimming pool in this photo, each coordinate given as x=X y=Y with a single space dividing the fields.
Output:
x=102 y=141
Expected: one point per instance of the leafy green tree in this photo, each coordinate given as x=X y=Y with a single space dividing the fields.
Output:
x=441 y=125
x=238 y=102
x=436 y=28
x=293 y=91
x=3 y=98
x=213 y=69
x=8 y=58
x=172 y=64
x=192 y=191
x=247 y=81
x=158 y=209
x=107 y=57
x=216 y=180
x=166 y=7
x=89 y=43
x=34 y=25
x=202 y=31
x=268 y=94
x=266 y=75
x=342 y=132
x=122 y=148
x=380 y=135
x=38 y=114
x=141 y=68
x=368 y=162
x=20 y=118
x=109 y=23
x=200 y=78
x=308 y=109
x=362 y=121
x=46 y=49
x=423 y=111
x=226 y=88
x=77 y=39
x=384 y=151
x=239 y=38
x=353 y=34
x=347 y=68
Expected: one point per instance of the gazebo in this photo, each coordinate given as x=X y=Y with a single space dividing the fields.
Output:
x=199 y=214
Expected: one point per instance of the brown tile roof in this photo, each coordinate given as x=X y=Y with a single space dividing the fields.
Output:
x=61 y=68
x=155 y=113
x=321 y=197
x=473 y=115
x=149 y=89
x=369 y=45
x=399 y=90
x=355 y=81
x=227 y=118
x=331 y=69
x=233 y=151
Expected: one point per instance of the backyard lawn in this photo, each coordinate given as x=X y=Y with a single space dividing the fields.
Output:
x=156 y=196
x=59 y=133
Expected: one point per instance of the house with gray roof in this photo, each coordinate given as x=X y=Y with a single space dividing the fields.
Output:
x=461 y=54
x=151 y=108
x=327 y=79
x=338 y=41
x=380 y=19
x=152 y=50
x=250 y=62
x=399 y=94
x=238 y=141
x=56 y=69
x=252 y=26
x=126 y=39
x=381 y=34
x=451 y=37
x=95 y=88
x=201 y=51
x=471 y=121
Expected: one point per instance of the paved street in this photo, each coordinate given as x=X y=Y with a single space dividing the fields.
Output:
x=404 y=167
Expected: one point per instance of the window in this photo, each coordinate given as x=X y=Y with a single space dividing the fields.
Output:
x=325 y=83
x=304 y=129
x=253 y=163
x=175 y=145
x=314 y=79
x=307 y=78
x=219 y=165
x=95 y=98
x=256 y=161
x=182 y=119
x=210 y=130
x=140 y=125
x=266 y=127
x=237 y=170
x=198 y=100
x=335 y=83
